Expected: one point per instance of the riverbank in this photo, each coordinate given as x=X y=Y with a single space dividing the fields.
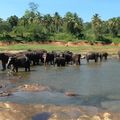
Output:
x=76 y=47
x=13 y=111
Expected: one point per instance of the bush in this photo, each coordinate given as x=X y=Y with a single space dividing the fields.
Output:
x=63 y=37
x=105 y=40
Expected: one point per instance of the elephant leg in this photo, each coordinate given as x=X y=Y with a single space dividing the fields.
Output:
x=87 y=60
x=29 y=68
x=101 y=58
x=34 y=62
x=79 y=62
x=58 y=65
x=25 y=69
x=16 y=68
x=96 y=59
x=3 y=66
x=62 y=63
x=105 y=57
x=37 y=61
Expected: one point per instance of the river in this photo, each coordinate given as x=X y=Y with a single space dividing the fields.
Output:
x=95 y=84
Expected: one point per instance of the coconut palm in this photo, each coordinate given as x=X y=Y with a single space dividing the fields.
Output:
x=97 y=26
x=57 y=20
x=114 y=26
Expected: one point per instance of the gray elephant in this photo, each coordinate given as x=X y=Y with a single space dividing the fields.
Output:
x=68 y=56
x=17 y=62
x=76 y=59
x=4 y=59
x=48 y=58
x=92 y=56
x=35 y=56
x=103 y=55
x=60 y=61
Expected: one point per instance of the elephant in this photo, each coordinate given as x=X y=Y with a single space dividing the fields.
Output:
x=60 y=61
x=4 y=59
x=119 y=54
x=92 y=56
x=68 y=56
x=17 y=62
x=103 y=55
x=35 y=56
x=48 y=58
x=76 y=59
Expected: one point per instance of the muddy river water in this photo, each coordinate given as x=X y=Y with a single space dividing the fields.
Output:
x=94 y=84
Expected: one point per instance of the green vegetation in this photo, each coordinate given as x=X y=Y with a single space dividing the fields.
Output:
x=48 y=47
x=33 y=26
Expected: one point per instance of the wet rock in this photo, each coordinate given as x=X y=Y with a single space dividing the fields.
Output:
x=84 y=117
x=33 y=88
x=4 y=93
x=2 y=86
x=96 y=117
x=107 y=116
x=71 y=94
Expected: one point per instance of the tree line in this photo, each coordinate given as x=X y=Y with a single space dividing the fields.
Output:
x=33 y=26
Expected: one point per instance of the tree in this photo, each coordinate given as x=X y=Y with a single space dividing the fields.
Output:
x=23 y=21
x=38 y=32
x=13 y=20
x=48 y=22
x=33 y=7
x=114 y=26
x=74 y=24
x=97 y=27
x=1 y=20
x=32 y=14
x=19 y=31
x=105 y=27
x=57 y=22
x=5 y=27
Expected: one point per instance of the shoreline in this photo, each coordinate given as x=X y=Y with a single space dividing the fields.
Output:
x=75 y=47
x=13 y=111
x=62 y=43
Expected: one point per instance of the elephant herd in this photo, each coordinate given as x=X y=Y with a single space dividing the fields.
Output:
x=42 y=57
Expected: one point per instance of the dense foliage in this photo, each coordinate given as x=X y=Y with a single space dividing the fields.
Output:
x=33 y=26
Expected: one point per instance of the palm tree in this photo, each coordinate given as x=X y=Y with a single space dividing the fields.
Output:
x=114 y=26
x=97 y=26
x=57 y=22
x=48 y=22
x=74 y=24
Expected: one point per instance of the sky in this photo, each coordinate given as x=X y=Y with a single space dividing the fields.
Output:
x=84 y=8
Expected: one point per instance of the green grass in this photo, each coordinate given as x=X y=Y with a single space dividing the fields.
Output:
x=75 y=49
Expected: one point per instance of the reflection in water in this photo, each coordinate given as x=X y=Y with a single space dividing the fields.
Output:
x=97 y=84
